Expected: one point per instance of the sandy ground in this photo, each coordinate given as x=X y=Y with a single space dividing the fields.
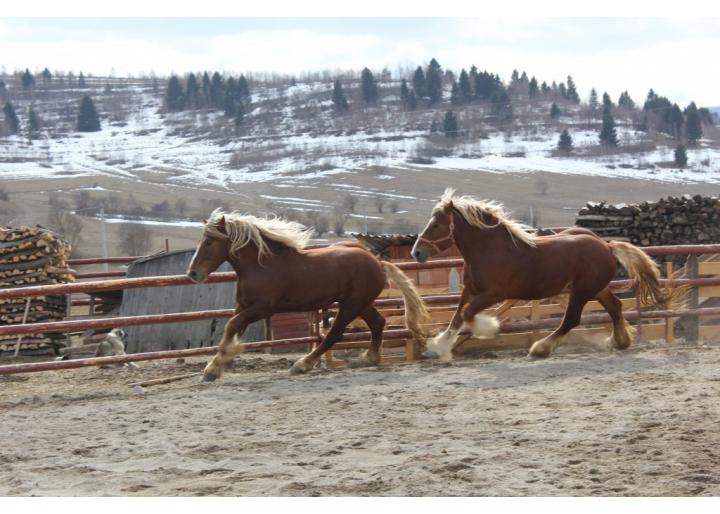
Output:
x=640 y=422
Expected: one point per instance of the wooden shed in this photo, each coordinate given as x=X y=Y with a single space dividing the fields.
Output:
x=163 y=300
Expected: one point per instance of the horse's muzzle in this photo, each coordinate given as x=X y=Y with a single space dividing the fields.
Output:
x=420 y=255
x=196 y=277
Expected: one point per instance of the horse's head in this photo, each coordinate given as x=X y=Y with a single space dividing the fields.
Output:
x=438 y=235
x=211 y=252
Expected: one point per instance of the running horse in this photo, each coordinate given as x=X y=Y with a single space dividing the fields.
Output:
x=276 y=273
x=504 y=261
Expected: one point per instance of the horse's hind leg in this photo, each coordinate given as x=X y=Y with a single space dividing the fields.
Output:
x=546 y=345
x=623 y=334
x=376 y=324
x=345 y=315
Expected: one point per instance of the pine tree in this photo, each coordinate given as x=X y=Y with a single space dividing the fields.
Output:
x=607 y=102
x=404 y=94
x=450 y=125
x=608 y=134
x=433 y=127
x=412 y=101
x=33 y=124
x=12 y=123
x=515 y=76
x=465 y=87
x=88 y=120
x=27 y=79
x=694 y=124
x=81 y=81
x=562 y=90
x=419 y=83
x=3 y=91
x=473 y=79
x=533 y=88
x=339 y=100
x=676 y=120
x=239 y=114
x=544 y=88
x=572 y=93
x=230 y=107
x=433 y=79
x=625 y=101
x=501 y=106
x=243 y=87
x=206 y=89
x=554 y=111
x=455 y=98
x=174 y=97
x=46 y=75
x=681 y=155
x=565 y=143
x=593 y=101
x=368 y=87
x=217 y=90
x=192 y=89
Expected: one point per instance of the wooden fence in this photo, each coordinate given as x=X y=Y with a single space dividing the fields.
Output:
x=522 y=322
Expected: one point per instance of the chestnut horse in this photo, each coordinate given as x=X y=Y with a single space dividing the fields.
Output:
x=503 y=261
x=277 y=274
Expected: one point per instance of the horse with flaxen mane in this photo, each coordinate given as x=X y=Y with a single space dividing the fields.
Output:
x=276 y=274
x=504 y=261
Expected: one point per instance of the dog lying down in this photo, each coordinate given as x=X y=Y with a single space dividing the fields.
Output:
x=114 y=344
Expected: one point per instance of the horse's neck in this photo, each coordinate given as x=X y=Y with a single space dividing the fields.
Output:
x=246 y=260
x=476 y=242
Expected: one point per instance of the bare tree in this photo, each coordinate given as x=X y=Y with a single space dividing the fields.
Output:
x=350 y=202
x=339 y=219
x=134 y=239
x=66 y=224
x=181 y=206
x=379 y=202
x=394 y=206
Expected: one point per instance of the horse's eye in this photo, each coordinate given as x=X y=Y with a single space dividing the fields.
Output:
x=436 y=225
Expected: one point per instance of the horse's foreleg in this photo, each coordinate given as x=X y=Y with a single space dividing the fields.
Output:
x=448 y=337
x=335 y=334
x=227 y=349
x=467 y=323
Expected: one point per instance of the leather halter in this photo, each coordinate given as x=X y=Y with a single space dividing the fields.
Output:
x=450 y=237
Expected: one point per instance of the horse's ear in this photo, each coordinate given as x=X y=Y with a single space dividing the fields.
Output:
x=448 y=207
x=204 y=222
x=221 y=223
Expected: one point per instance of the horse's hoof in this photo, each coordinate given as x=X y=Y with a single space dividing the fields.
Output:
x=297 y=370
x=537 y=356
x=429 y=354
x=209 y=377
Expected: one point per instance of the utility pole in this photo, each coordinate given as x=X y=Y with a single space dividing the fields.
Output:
x=103 y=234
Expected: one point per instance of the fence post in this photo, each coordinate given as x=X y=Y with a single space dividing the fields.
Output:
x=669 y=322
x=692 y=323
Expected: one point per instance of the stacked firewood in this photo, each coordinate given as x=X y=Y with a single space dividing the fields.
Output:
x=674 y=220
x=32 y=256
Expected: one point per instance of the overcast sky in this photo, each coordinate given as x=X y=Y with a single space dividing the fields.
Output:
x=676 y=57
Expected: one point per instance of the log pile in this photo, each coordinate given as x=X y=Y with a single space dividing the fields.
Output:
x=674 y=220
x=32 y=256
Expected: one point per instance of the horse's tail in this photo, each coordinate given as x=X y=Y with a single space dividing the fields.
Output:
x=646 y=274
x=416 y=312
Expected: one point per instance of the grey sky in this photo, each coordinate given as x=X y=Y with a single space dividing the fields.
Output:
x=673 y=56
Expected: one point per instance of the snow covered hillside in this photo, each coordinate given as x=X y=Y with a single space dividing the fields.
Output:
x=291 y=134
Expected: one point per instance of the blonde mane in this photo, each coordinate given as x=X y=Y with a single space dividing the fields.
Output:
x=473 y=211
x=242 y=229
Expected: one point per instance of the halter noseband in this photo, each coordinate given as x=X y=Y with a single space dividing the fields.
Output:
x=450 y=237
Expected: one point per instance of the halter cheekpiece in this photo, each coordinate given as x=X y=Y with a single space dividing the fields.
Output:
x=450 y=237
